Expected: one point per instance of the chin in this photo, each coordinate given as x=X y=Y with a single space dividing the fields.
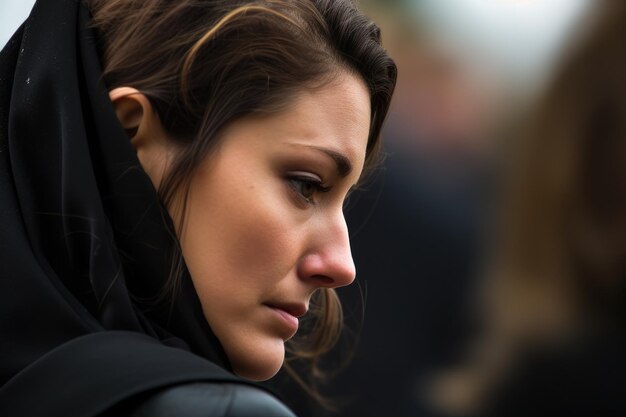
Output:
x=258 y=363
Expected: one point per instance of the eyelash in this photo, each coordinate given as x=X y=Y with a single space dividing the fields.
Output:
x=298 y=181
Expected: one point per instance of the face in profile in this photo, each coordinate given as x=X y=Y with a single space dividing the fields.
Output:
x=265 y=227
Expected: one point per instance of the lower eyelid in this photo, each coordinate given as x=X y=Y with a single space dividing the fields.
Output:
x=297 y=197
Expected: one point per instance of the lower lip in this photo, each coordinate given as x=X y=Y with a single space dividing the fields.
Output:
x=291 y=321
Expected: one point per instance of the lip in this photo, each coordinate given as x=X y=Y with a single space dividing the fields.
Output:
x=296 y=310
x=289 y=314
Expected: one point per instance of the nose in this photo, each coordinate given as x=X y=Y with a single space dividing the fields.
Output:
x=328 y=262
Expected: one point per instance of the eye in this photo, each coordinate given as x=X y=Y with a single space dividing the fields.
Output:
x=307 y=185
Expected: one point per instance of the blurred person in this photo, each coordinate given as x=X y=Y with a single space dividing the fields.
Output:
x=427 y=205
x=554 y=303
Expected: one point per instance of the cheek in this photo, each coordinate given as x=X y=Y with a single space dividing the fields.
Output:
x=259 y=247
x=240 y=235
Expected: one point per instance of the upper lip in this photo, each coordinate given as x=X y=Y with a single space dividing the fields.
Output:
x=295 y=309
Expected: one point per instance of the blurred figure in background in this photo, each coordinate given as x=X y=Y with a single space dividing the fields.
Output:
x=554 y=306
x=419 y=231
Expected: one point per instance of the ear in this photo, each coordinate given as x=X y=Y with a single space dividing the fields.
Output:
x=130 y=108
x=144 y=129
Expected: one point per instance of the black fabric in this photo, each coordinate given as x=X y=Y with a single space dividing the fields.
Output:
x=90 y=374
x=85 y=246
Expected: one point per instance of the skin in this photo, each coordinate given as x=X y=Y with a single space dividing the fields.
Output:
x=265 y=226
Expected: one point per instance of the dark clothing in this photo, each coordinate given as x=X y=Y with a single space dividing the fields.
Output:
x=205 y=400
x=416 y=245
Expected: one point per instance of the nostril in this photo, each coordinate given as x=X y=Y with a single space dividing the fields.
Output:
x=323 y=280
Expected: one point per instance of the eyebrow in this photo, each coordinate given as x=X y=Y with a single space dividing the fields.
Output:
x=344 y=166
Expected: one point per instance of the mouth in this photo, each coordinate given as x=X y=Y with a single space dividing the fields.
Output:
x=288 y=314
x=296 y=310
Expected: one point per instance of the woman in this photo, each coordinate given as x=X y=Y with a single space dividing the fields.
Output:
x=172 y=182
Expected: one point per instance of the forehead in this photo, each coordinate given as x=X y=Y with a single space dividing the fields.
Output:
x=333 y=119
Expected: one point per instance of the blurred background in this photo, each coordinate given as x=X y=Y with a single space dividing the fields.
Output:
x=488 y=245
x=12 y=14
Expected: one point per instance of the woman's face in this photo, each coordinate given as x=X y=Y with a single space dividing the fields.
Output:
x=265 y=225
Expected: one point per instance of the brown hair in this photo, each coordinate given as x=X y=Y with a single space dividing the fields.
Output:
x=561 y=258
x=204 y=64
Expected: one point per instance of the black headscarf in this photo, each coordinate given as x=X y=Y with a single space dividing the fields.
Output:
x=85 y=245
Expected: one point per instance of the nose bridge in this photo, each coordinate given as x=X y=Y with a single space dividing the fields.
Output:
x=334 y=253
